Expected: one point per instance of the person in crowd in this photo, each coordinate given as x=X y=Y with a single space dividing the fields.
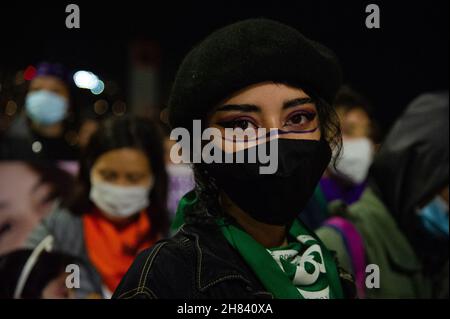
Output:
x=346 y=179
x=120 y=207
x=401 y=219
x=240 y=237
x=45 y=125
x=28 y=193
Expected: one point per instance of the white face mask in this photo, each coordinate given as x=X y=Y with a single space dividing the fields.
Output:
x=120 y=201
x=356 y=158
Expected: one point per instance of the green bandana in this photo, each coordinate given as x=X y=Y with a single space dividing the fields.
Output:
x=303 y=269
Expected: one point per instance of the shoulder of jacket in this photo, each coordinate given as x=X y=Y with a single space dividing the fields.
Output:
x=153 y=271
x=60 y=224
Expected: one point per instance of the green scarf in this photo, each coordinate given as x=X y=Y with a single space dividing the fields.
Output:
x=279 y=277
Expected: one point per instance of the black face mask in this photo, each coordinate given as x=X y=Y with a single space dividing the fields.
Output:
x=277 y=198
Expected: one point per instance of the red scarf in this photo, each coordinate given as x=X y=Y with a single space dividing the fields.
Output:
x=112 y=248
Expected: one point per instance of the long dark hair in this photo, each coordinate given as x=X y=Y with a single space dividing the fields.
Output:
x=208 y=207
x=120 y=132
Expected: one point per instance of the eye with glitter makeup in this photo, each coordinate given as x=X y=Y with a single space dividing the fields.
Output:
x=300 y=120
x=241 y=122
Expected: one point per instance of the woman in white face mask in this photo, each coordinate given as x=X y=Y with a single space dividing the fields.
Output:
x=347 y=179
x=47 y=125
x=121 y=208
x=345 y=182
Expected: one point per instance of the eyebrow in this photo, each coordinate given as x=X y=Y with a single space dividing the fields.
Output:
x=106 y=171
x=239 y=107
x=297 y=102
x=257 y=109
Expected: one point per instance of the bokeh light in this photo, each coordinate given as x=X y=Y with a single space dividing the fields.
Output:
x=85 y=80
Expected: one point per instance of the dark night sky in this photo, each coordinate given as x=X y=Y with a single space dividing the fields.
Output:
x=392 y=65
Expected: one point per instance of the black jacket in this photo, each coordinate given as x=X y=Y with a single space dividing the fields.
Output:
x=196 y=263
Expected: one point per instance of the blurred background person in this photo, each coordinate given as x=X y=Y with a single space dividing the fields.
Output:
x=120 y=207
x=28 y=192
x=346 y=179
x=401 y=218
x=24 y=201
x=45 y=124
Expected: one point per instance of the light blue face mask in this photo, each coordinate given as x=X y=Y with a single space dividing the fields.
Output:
x=45 y=107
x=434 y=217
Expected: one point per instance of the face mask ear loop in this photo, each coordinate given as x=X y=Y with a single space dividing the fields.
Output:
x=47 y=245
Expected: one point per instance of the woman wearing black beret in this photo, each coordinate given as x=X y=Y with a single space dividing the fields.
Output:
x=239 y=235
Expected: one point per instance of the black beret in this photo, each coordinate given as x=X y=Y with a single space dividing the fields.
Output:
x=246 y=53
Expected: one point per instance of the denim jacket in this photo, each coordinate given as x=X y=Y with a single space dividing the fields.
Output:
x=196 y=263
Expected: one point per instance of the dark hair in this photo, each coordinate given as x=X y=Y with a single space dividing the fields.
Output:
x=208 y=207
x=134 y=132
x=348 y=99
